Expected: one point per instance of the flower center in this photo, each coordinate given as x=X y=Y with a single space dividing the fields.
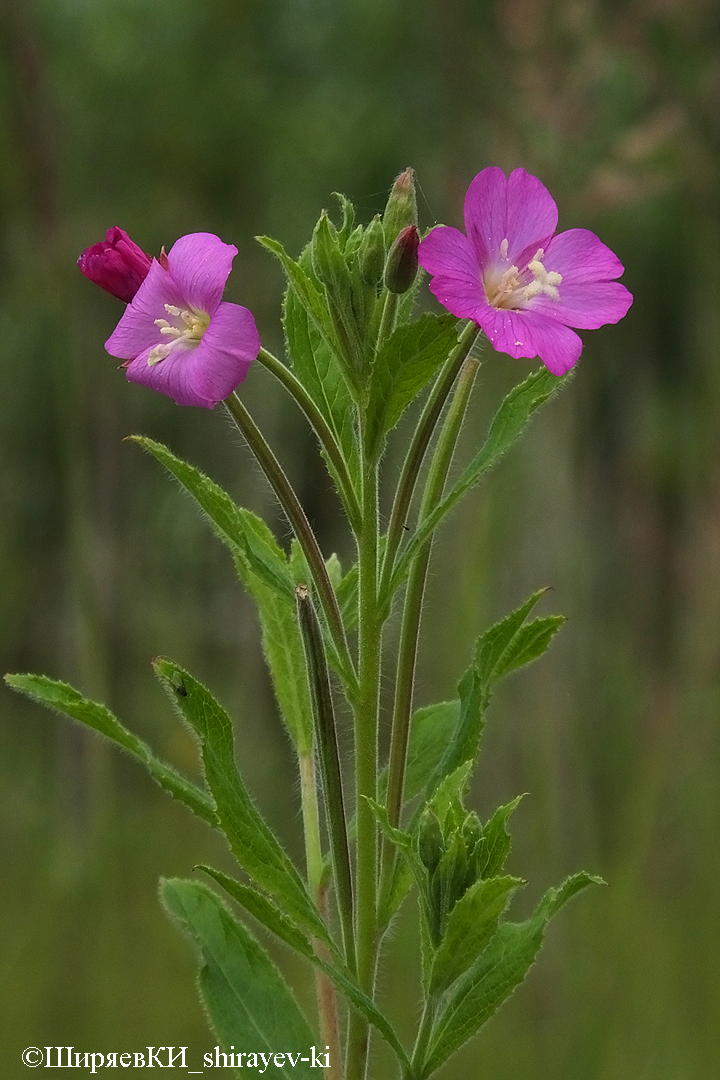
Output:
x=194 y=324
x=505 y=288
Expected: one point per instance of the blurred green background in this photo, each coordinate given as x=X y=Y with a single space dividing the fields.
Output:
x=241 y=117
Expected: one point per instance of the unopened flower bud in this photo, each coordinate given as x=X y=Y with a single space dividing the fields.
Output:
x=430 y=841
x=401 y=208
x=372 y=253
x=402 y=262
x=116 y=264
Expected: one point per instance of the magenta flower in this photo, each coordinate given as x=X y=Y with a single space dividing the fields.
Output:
x=178 y=335
x=524 y=286
x=116 y=264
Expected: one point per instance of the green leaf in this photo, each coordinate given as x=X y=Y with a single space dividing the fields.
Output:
x=249 y=1004
x=430 y=732
x=306 y=290
x=314 y=363
x=470 y=926
x=282 y=647
x=506 y=428
x=65 y=699
x=264 y=910
x=497 y=840
x=491 y=980
x=241 y=530
x=272 y=918
x=503 y=648
x=253 y=844
x=405 y=364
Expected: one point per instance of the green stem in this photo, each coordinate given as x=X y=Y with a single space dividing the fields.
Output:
x=389 y=315
x=366 y=757
x=423 y=1036
x=301 y=527
x=326 y=737
x=322 y=429
x=412 y=611
x=417 y=450
x=324 y=989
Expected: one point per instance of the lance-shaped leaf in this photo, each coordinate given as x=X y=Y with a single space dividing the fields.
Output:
x=240 y=529
x=405 y=364
x=253 y=843
x=470 y=926
x=503 y=648
x=506 y=428
x=267 y=913
x=497 y=840
x=491 y=980
x=65 y=699
x=314 y=363
x=249 y=1004
x=306 y=290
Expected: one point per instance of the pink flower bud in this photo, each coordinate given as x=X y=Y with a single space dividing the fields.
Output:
x=116 y=264
x=402 y=262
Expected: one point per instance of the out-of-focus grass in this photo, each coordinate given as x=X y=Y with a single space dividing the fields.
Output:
x=168 y=117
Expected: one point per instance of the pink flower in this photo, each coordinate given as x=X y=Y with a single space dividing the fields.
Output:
x=524 y=286
x=116 y=264
x=177 y=333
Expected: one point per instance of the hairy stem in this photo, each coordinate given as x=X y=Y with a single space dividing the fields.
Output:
x=366 y=758
x=303 y=531
x=326 y=736
x=324 y=989
x=412 y=611
x=417 y=450
x=322 y=429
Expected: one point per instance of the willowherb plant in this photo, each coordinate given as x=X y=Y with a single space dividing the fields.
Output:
x=357 y=358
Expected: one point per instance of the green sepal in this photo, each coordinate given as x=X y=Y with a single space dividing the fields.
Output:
x=65 y=699
x=253 y=844
x=501 y=967
x=249 y=1004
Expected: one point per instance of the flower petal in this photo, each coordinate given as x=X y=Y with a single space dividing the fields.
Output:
x=528 y=334
x=136 y=330
x=587 y=305
x=172 y=376
x=461 y=296
x=518 y=209
x=448 y=252
x=580 y=256
x=228 y=347
x=200 y=264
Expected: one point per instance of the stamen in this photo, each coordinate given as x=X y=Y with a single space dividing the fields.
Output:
x=545 y=281
x=172 y=310
x=503 y=249
x=196 y=323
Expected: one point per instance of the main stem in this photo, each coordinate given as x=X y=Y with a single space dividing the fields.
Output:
x=366 y=757
x=412 y=611
x=301 y=527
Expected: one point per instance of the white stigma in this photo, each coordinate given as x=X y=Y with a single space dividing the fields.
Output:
x=545 y=281
x=195 y=325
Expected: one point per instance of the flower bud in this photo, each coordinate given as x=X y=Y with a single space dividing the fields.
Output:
x=401 y=208
x=430 y=841
x=372 y=253
x=402 y=262
x=116 y=264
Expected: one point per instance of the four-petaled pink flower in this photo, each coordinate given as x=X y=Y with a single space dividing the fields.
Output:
x=178 y=335
x=524 y=286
